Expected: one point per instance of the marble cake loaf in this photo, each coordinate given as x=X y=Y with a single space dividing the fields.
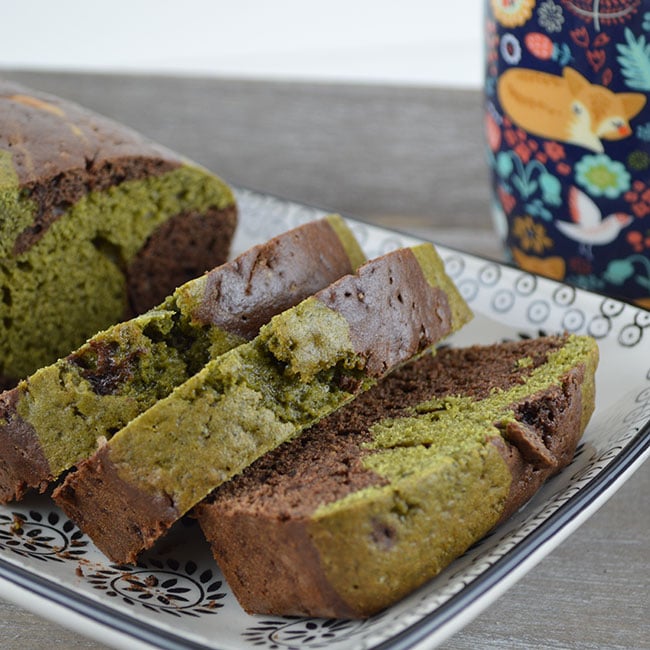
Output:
x=380 y=496
x=98 y=224
x=55 y=417
x=305 y=363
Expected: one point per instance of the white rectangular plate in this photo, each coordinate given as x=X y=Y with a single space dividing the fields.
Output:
x=175 y=596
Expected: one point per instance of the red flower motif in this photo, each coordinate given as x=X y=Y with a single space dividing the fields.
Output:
x=510 y=137
x=492 y=132
x=635 y=239
x=507 y=200
x=596 y=59
x=563 y=168
x=580 y=265
x=641 y=209
x=492 y=43
x=601 y=40
x=580 y=36
x=639 y=199
x=638 y=241
x=608 y=12
x=519 y=141
x=539 y=45
x=554 y=150
x=523 y=151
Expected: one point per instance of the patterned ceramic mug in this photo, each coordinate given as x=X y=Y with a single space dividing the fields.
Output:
x=568 y=132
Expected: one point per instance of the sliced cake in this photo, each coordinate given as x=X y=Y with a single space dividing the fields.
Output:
x=304 y=364
x=380 y=496
x=98 y=224
x=56 y=416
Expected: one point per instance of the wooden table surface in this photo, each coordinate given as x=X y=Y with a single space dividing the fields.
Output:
x=405 y=157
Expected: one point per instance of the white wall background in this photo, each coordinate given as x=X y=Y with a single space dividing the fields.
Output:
x=423 y=42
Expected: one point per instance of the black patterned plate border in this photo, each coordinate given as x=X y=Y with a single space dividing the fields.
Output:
x=175 y=597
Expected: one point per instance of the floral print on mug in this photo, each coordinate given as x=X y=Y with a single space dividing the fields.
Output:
x=567 y=124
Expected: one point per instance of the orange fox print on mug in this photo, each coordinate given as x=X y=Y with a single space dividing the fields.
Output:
x=568 y=131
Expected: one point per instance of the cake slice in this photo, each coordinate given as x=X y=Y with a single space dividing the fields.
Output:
x=55 y=417
x=98 y=224
x=304 y=364
x=380 y=496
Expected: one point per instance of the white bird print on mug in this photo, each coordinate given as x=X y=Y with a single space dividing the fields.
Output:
x=588 y=226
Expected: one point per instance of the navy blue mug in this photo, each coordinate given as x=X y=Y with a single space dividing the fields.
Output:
x=568 y=130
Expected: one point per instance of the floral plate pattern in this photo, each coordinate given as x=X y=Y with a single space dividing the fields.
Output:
x=175 y=597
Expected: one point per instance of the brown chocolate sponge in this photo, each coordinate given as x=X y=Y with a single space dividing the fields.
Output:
x=380 y=496
x=98 y=224
x=55 y=417
x=304 y=364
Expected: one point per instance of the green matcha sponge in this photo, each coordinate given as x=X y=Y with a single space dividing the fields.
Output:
x=307 y=362
x=96 y=224
x=58 y=415
x=380 y=496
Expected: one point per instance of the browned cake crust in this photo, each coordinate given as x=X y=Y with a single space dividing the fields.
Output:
x=258 y=524
x=61 y=151
x=267 y=279
x=239 y=297
x=51 y=138
x=22 y=462
x=120 y=518
x=543 y=439
x=111 y=510
x=392 y=312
